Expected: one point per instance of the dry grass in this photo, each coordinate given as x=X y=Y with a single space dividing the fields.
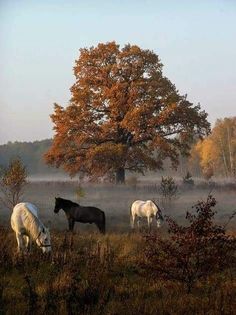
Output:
x=88 y=273
x=94 y=274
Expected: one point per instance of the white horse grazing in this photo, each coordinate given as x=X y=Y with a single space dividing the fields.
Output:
x=146 y=209
x=28 y=227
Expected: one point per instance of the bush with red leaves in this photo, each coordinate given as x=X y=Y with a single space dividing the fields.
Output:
x=191 y=252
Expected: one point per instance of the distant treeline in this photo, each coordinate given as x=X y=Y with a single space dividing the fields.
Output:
x=31 y=154
x=216 y=155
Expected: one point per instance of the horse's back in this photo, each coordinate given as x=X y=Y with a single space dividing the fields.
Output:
x=141 y=207
x=20 y=211
x=137 y=204
x=17 y=216
x=32 y=208
x=26 y=206
x=87 y=214
x=90 y=215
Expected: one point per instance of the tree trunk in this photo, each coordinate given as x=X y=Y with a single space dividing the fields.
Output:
x=230 y=153
x=120 y=176
x=224 y=158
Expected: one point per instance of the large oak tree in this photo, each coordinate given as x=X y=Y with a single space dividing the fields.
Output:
x=124 y=114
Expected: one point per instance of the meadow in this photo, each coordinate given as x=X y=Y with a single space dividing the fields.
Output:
x=88 y=273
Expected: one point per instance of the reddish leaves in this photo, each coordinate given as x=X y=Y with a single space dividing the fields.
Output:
x=122 y=111
x=192 y=252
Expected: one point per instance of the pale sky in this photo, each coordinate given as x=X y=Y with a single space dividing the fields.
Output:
x=40 y=40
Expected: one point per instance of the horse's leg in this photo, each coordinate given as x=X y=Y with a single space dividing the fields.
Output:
x=28 y=242
x=132 y=219
x=149 y=221
x=71 y=224
x=25 y=240
x=138 y=222
x=20 y=242
x=100 y=227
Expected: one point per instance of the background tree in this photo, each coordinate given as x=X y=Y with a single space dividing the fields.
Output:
x=188 y=180
x=217 y=153
x=31 y=154
x=123 y=115
x=168 y=190
x=208 y=173
x=12 y=183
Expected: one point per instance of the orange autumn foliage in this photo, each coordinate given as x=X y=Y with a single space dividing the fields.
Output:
x=217 y=153
x=124 y=114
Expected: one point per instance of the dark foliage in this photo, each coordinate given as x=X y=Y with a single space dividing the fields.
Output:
x=31 y=154
x=192 y=252
x=188 y=180
x=168 y=189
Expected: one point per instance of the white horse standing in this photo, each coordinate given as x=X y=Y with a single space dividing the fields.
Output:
x=28 y=227
x=148 y=209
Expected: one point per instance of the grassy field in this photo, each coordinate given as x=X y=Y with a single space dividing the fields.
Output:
x=89 y=273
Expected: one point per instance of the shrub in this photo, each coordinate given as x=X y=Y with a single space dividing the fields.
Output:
x=168 y=189
x=188 y=180
x=12 y=182
x=192 y=252
x=5 y=248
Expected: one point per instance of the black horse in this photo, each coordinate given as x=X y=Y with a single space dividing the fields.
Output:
x=77 y=213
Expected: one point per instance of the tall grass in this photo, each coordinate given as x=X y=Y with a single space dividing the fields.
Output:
x=94 y=274
x=88 y=273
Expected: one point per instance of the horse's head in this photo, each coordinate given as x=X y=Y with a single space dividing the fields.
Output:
x=159 y=216
x=44 y=240
x=57 y=205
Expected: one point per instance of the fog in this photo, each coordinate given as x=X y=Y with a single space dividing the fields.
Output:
x=116 y=201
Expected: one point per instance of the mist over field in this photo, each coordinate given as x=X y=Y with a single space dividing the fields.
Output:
x=116 y=200
x=93 y=274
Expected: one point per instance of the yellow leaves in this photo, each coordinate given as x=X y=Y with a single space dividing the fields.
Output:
x=207 y=152
x=218 y=151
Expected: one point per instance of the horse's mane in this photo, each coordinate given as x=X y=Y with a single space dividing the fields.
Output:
x=33 y=222
x=158 y=208
x=68 y=202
